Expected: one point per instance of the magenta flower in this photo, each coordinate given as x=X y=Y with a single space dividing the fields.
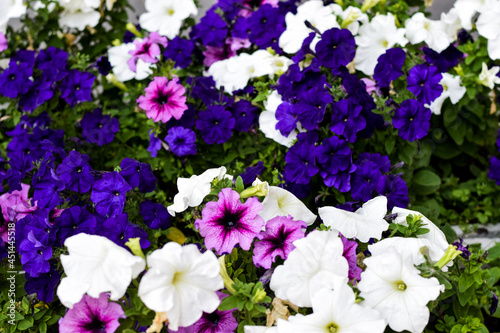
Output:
x=277 y=240
x=15 y=206
x=164 y=100
x=215 y=322
x=350 y=254
x=92 y=315
x=3 y=42
x=228 y=222
x=147 y=50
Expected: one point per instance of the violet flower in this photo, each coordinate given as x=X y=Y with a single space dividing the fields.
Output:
x=423 y=82
x=412 y=120
x=336 y=48
x=108 y=194
x=228 y=222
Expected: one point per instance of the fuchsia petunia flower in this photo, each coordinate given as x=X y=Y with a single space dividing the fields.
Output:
x=15 y=206
x=277 y=240
x=3 y=42
x=147 y=50
x=228 y=222
x=164 y=99
x=92 y=315
x=350 y=254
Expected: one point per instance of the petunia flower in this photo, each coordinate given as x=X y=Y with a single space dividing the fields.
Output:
x=389 y=66
x=93 y=265
x=109 y=194
x=182 y=282
x=277 y=240
x=215 y=124
x=452 y=88
x=75 y=172
x=92 y=315
x=433 y=33
x=16 y=205
x=44 y=285
x=335 y=311
x=423 y=82
x=280 y=202
x=138 y=175
x=77 y=87
x=119 y=56
x=228 y=222
x=393 y=286
x=367 y=222
x=164 y=99
x=167 y=16
x=336 y=48
x=488 y=77
x=412 y=120
x=98 y=128
x=315 y=263
x=194 y=189
x=155 y=215
x=182 y=141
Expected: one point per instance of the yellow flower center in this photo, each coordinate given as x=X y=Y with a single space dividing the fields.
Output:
x=385 y=43
x=170 y=11
x=400 y=285
x=177 y=278
x=332 y=328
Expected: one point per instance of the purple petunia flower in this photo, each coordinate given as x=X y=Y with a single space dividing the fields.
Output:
x=494 y=172
x=245 y=115
x=15 y=80
x=44 y=285
x=287 y=115
x=336 y=48
x=211 y=30
x=98 y=128
x=182 y=141
x=364 y=180
x=39 y=93
x=109 y=194
x=347 y=119
x=311 y=106
x=395 y=189
x=154 y=143
x=301 y=159
x=389 y=66
x=147 y=50
x=252 y=172
x=228 y=222
x=412 y=120
x=423 y=82
x=155 y=215
x=119 y=229
x=465 y=249
x=34 y=255
x=103 y=65
x=267 y=24
x=382 y=161
x=350 y=247
x=75 y=172
x=180 y=50
x=277 y=240
x=92 y=315
x=53 y=63
x=444 y=60
x=77 y=87
x=138 y=175
x=215 y=124
x=73 y=221
x=335 y=159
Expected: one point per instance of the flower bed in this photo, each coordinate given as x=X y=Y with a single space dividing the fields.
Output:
x=276 y=166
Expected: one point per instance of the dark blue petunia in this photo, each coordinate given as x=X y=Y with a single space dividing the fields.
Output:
x=215 y=124
x=389 y=66
x=109 y=194
x=423 y=81
x=336 y=48
x=77 y=87
x=412 y=120
x=182 y=141
x=138 y=174
x=75 y=172
x=155 y=215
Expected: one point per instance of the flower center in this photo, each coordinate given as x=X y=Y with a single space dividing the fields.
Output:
x=385 y=43
x=400 y=285
x=170 y=11
x=117 y=193
x=79 y=169
x=331 y=328
x=96 y=325
x=177 y=278
x=230 y=219
x=163 y=99
x=213 y=318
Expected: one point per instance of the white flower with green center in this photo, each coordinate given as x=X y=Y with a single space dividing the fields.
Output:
x=393 y=286
x=365 y=223
x=119 y=57
x=488 y=26
x=433 y=33
x=488 y=77
x=79 y=13
x=335 y=311
x=315 y=263
x=166 y=16
x=95 y=265
x=280 y=202
x=452 y=88
x=374 y=39
x=182 y=282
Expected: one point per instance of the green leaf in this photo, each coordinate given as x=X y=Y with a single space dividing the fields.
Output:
x=426 y=181
x=494 y=252
x=465 y=297
x=465 y=281
x=228 y=303
x=239 y=184
x=24 y=325
x=42 y=327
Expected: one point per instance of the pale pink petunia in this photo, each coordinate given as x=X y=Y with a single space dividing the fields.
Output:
x=92 y=315
x=164 y=99
x=147 y=50
x=15 y=206
x=228 y=222
x=3 y=42
x=277 y=240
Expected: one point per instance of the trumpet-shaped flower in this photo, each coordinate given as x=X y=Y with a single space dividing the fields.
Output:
x=488 y=26
x=166 y=16
x=433 y=33
x=488 y=77
x=182 y=282
x=367 y=222
x=452 y=88
x=119 y=57
x=16 y=205
x=92 y=315
x=280 y=202
x=193 y=190
x=392 y=286
x=335 y=311
x=95 y=265
x=79 y=13
x=315 y=263
x=228 y=222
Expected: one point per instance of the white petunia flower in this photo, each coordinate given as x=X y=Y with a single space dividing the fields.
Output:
x=194 y=189
x=352 y=17
x=421 y=29
x=335 y=311
x=268 y=121
x=280 y=202
x=466 y=9
x=315 y=263
x=79 y=13
x=416 y=247
x=166 y=16
x=182 y=282
x=10 y=9
x=367 y=222
x=488 y=77
x=452 y=88
x=260 y=329
x=374 y=39
x=94 y=265
x=321 y=17
x=435 y=235
x=392 y=286
x=488 y=26
x=118 y=58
